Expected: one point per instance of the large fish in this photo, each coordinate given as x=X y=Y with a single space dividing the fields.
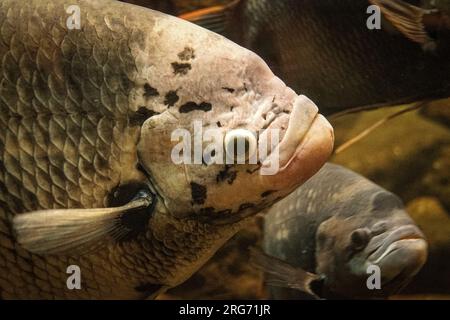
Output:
x=325 y=48
x=324 y=238
x=90 y=94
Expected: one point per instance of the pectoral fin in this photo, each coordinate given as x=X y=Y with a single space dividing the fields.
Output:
x=282 y=274
x=214 y=18
x=68 y=231
x=408 y=19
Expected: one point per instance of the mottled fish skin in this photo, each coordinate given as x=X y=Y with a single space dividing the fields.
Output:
x=311 y=229
x=67 y=141
x=77 y=110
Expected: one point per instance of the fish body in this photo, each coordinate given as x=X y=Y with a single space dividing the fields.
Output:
x=336 y=226
x=90 y=92
x=326 y=49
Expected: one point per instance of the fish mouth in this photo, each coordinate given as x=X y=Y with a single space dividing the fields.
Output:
x=305 y=147
x=400 y=257
x=391 y=241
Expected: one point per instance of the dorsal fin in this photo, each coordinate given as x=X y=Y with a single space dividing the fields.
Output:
x=214 y=18
x=408 y=19
x=69 y=231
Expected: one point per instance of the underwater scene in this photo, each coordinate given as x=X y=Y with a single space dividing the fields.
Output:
x=225 y=150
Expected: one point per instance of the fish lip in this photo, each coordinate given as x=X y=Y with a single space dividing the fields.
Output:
x=300 y=148
x=303 y=115
x=400 y=257
x=393 y=240
x=411 y=266
x=396 y=246
x=309 y=156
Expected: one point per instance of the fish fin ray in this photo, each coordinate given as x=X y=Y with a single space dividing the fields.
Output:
x=281 y=274
x=408 y=19
x=73 y=231
x=214 y=18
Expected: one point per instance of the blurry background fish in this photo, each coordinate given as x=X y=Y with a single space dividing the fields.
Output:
x=325 y=49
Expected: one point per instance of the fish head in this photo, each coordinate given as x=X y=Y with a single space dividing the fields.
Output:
x=371 y=255
x=237 y=140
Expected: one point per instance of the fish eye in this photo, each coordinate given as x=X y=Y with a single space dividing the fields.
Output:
x=360 y=238
x=240 y=145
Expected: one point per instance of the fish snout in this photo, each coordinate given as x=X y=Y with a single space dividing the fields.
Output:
x=400 y=255
x=305 y=147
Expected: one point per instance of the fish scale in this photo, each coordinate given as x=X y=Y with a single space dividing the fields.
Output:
x=67 y=153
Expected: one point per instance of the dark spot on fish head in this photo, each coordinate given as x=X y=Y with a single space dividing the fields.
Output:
x=171 y=99
x=219 y=124
x=267 y=193
x=181 y=68
x=192 y=106
x=187 y=54
x=226 y=216
x=149 y=91
x=198 y=193
x=140 y=116
x=227 y=174
x=246 y=206
x=230 y=90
